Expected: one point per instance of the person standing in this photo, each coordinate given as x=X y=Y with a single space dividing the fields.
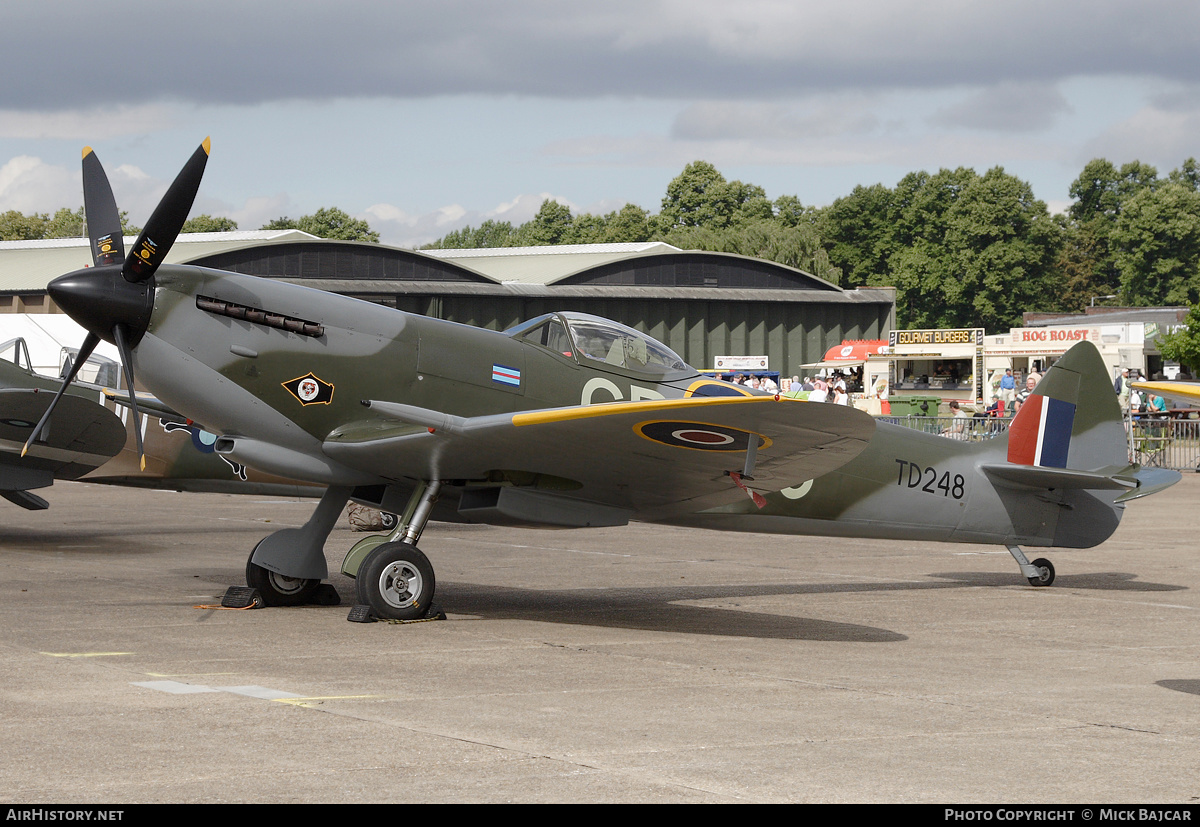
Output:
x=1124 y=391
x=1008 y=387
x=818 y=393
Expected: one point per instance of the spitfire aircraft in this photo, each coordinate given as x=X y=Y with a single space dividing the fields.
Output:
x=564 y=421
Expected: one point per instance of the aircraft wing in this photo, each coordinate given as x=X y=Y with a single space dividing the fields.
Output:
x=81 y=435
x=1173 y=390
x=650 y=458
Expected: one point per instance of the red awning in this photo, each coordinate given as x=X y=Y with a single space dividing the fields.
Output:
x=855 y=350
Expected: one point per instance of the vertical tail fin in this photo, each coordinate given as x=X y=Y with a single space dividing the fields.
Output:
x=1072 y=419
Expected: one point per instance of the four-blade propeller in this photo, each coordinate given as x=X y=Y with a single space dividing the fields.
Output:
x=113 y=300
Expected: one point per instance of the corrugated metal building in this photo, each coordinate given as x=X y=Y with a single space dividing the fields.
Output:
x=701 y=304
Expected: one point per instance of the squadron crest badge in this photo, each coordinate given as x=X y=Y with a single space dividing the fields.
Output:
x=310 y=390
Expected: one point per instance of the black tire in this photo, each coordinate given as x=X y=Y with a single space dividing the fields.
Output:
x=396 y=580
x=276 y=589
x=1047 y=570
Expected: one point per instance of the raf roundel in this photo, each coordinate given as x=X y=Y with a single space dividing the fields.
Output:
x=699 y=436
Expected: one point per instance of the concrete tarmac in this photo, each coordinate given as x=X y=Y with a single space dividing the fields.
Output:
x=639 y=664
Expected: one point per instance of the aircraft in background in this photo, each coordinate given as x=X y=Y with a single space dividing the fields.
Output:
x=1189 y=391
x=88 y=441
x=564 y=421
x=81 y=437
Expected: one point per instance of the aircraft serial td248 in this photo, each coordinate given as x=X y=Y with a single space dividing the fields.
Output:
x=431 y=419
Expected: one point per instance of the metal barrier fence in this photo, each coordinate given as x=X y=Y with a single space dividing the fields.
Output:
x=1158 y=443
x=1165 y=443
x=971 y=429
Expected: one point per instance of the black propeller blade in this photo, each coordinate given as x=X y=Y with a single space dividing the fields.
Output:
x=89 y=344
x=103 y=219
x=127 y=364
x=167 y=220
x=110 y=307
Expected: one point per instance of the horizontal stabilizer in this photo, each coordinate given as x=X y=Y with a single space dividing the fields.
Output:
x=1133 y=480
x=1150 y=481
x=1034 y=476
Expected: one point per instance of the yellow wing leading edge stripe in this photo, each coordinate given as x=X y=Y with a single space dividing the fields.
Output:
x=647 y=406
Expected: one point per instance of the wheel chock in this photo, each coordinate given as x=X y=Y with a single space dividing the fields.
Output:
x=360 y=614
x=241 y=597
x=326 y=595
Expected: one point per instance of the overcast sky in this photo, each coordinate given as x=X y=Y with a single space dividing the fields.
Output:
x=424 y=117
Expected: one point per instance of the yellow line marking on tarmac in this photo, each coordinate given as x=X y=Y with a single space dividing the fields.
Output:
x=85 y=654
x=306 y=701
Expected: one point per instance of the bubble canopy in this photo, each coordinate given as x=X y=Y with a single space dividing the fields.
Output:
x=603 y=341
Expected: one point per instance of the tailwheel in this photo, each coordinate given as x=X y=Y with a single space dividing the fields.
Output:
x=396 y=580
x=278 y=589
x=1045 y=572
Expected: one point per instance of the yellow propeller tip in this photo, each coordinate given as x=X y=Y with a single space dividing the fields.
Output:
x=143 y=463
x=24 y=448
x=207 y=145
x=87 y=150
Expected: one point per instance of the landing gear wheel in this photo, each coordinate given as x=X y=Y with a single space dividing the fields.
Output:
x=396 y=581
x=388 y=520
x=277 y=589
x=1047 y=572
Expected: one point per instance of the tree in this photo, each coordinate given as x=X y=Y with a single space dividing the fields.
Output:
x=551 y=225
x=16 y=226
x=1003 y=245
x=488 y=234
x=701 y=197
x=857 y=234
x=328 y=222
x=1157 y=241
x=629 y=224
x=209 y=224
x=1100 y=192
x=66 y=223
x=1183 y=346
x=919 y=264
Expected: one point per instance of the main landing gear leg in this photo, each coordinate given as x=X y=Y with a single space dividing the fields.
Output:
x=396 y=579
x=1039 y=573
x=287 y=567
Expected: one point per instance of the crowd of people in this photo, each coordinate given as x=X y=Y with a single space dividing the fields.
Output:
x=837 y=386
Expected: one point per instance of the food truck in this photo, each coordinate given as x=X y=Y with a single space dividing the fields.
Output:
x=1035 y=349
x=944 y=363
x=851 y=358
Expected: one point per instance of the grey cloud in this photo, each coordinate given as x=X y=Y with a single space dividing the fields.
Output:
x=736 y=120
x=66 y=56
x=1007 y=107
x=1163 y=137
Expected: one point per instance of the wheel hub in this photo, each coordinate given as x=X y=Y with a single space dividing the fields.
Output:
x=286 y=585
x=399 y=584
